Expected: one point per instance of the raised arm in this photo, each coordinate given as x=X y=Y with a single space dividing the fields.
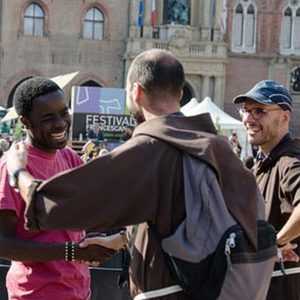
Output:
x=109 y=192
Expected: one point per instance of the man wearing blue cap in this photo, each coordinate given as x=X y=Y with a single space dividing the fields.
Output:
x=266 y=114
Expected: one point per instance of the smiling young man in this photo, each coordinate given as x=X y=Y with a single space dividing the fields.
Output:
x=266 y=114
x=43 y=265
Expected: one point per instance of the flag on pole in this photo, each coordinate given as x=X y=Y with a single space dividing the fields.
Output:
x=223 y=18
x=141 y=10
x=153 y=13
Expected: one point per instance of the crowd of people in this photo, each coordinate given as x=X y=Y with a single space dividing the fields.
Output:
x=141 y=182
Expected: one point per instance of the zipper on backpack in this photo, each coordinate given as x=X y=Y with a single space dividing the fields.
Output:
x=230 y=243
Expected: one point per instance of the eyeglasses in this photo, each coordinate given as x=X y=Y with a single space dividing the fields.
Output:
x=256 y=113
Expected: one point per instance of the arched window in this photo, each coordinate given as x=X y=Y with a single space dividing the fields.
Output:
x=295 y=80
x=237 y=30
x=93 y=24
x=296 y=33
x=34 y=20
x=290 y=36
x=249 y=26
x=91 y=83
x=287 y=28
x=244 y=27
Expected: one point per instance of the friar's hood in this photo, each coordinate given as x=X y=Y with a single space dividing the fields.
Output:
x=197 y=136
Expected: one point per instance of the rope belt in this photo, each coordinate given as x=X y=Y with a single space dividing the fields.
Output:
x=287 y=272
x=160 y=292
x=176 y=288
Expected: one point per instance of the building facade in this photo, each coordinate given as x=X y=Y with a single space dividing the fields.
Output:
x=224 y=46
x=54 y=37
x=263 y=42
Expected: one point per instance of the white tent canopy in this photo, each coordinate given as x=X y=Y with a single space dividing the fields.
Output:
x=217 y=114
x=226 y=122
x=192 y=103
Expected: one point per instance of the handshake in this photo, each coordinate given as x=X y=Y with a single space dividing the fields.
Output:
x=96 y=247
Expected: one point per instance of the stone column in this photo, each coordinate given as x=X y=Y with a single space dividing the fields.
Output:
x=205 y=86
x=219 y=92
x=147 y=30
x=134 y=13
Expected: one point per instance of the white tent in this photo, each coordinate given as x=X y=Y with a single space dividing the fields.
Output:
x=227 y=123
x=192 y=103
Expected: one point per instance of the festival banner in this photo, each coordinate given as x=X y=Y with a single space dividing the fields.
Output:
x=106 y=106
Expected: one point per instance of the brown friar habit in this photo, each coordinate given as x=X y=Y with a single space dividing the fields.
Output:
x=278 y=177
x=142 y=180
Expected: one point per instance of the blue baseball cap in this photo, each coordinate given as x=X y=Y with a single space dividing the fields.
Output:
x=267 y=92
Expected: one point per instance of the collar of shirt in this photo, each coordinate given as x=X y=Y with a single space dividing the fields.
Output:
x=177 y=113
x=261 y=156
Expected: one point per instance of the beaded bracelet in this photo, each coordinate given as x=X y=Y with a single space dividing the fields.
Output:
x=69 y=251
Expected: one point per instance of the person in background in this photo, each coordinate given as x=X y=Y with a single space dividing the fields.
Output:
x=4 y=144
x=88 y=151
x=235 y=145
x=45 y=264
x=95 y=134
x=266 y=113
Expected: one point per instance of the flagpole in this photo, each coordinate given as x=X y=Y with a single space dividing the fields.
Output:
x=141 y=17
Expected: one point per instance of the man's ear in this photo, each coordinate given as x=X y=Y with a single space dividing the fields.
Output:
x=181 y=94
x=137 y=91
x=25 y=122
x=287 y=115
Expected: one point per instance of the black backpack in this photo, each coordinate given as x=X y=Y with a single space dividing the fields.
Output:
x=209 y=254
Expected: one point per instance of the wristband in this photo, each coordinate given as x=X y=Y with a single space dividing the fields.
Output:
x=69 y=251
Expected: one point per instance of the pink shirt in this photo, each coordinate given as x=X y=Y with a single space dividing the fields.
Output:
x=43 y=280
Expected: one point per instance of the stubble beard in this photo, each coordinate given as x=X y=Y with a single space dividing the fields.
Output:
x=138 y=117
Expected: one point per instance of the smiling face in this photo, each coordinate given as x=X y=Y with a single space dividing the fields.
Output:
x=49 y=122
x=267 y=130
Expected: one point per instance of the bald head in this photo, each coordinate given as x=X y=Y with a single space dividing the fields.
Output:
x=159 y=73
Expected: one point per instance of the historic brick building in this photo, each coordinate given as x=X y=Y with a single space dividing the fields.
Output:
x=263 y=42
x=53 y=37
x=100 y=38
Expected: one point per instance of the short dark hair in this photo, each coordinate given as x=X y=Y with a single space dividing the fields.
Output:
x=29 y=90
x=159 y=72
